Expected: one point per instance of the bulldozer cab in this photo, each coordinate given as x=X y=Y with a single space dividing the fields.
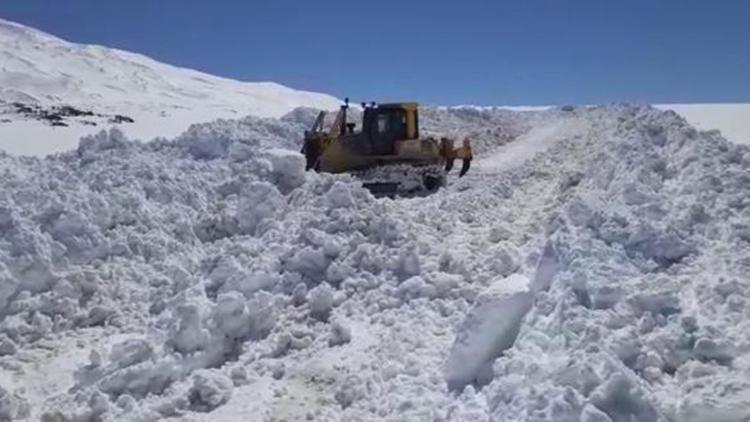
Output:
x=386 y=124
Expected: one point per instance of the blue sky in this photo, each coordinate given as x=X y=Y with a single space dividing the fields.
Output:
x=457 y=52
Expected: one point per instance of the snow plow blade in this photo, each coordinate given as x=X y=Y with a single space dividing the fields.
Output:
x=465 y=167
x=450 y=154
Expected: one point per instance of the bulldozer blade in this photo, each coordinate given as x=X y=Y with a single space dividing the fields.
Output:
x=448 y=165
x=465 y=167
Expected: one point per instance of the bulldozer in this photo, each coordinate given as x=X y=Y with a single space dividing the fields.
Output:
x=387 y=153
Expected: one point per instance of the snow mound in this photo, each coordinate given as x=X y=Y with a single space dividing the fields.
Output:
x=637 y=235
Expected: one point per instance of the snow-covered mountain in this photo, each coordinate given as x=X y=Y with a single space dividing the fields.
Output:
x=40 y=72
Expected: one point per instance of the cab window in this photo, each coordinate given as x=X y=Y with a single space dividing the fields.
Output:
x=393 y=124
x=382 y=126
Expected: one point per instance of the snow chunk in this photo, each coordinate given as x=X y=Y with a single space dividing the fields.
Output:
x=321 y=301
x=622 y=400
x=351 y=389
x=310 y=262
x=665 y=248
x=490 y=327
x=408 y=263
x=249 y=284
x=188 y=334
x=340 y=334
x=260 y=201
x=339 y=196
x=591 y=413
x=416 y=287
x=665 y=302
x=299 y=294
x=262 y=314
x=90 y=145
x=204 y=144
x=140 y=379
x=288 y=168
x=7 y=345
x=210 y=389
x=707 y=349
x=505 y=259
x=231 y=316
x=499 y=233
x=131 y=352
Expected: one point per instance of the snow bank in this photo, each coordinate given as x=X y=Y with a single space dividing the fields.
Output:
x=202 y=238
x=637 y=236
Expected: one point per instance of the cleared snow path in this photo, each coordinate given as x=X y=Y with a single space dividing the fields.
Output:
x=519 y=150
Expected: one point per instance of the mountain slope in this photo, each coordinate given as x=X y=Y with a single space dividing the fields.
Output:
x=41 y=70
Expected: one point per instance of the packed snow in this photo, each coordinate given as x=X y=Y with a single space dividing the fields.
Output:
x=39 y=69
x=598 y=275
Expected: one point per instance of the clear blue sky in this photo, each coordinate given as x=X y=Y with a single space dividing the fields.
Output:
x=452 y=52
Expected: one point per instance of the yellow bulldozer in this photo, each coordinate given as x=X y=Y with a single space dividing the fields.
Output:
x=387 y=153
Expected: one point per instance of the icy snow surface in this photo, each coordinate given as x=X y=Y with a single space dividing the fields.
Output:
x=601 y=274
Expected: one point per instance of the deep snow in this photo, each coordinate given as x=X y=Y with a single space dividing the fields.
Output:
x=210 y=277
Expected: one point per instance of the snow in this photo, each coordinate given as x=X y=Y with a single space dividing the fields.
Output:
x=321 y=301
x=491 y=327
x=536 y=140
x=599 y=274
x=210 y=389
x=591 y=266
x=731 y=119
x=38 y=68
